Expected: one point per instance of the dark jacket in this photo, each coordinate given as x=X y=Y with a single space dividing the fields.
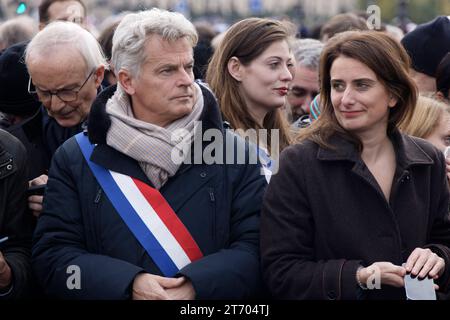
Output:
x=219 y=205
x=30 y=133
x=14 y=223
x=324 y=215
x=41 y=135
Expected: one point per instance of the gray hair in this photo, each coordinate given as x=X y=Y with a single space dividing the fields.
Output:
x=17 y=30
x=134 y=30
x=71 y=36
x=307 y=52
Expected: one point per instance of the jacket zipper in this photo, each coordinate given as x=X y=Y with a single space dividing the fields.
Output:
x=98 y=196
x=96 y=220
x=212 y=198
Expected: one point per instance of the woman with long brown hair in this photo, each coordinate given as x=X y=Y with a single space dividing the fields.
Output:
x=356 y=204
x=250 y=73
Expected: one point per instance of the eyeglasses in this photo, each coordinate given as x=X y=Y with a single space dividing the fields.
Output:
x=64 y=94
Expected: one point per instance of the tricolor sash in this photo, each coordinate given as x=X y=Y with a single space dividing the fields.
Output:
x=266 y=162
x=147 y=214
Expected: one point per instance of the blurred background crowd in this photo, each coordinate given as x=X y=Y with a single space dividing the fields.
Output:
x=308 y=15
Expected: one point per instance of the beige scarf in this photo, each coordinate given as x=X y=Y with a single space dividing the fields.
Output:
x=149 y=144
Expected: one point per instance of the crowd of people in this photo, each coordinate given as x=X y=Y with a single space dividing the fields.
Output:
x=161 y=161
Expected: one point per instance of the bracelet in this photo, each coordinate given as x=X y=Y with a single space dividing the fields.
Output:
x=360 y=284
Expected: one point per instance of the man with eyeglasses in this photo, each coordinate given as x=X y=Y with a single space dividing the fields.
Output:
x=305 y=85
x=66 y=114
x=66 y=67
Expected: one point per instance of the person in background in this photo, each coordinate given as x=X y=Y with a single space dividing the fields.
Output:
x=395 y=32
x=62 y=10
x=66 y=67
x=15 y=224
x=388 y=201
x=250 y=73
x=427 y=45
x=105 y=40
x=305 y=85
x=23 y=113
x=340 y=23
x=443 y=79
x=203 y=50
x=16 y=30
x=430 y=121
x=15 y=102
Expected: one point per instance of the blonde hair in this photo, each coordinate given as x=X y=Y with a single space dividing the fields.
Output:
x=426 y=117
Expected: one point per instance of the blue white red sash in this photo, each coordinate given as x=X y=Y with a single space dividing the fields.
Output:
x=267 y=163
x=147 y=214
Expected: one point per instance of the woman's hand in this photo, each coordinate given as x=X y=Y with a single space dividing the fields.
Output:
x=425 y=263
x=382 y=273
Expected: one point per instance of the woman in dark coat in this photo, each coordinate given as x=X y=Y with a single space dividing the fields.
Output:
x=356 y=199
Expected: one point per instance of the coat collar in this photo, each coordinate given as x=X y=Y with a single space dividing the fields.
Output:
x=408 y=152
x=116 y=161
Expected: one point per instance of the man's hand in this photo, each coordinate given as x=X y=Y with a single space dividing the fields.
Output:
x=184 y=292
x=5 y=273
x=35 y=202
x=151 y=287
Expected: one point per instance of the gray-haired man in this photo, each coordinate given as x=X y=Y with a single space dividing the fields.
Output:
x=305 y=85
x=120 y=214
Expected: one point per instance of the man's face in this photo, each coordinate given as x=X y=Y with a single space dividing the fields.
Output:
x=71 y=11
x=163 y=91
x=64 y=69
x=304 y=88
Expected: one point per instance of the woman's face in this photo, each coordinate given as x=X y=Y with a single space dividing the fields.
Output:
x=440 y=137
x=265 y=81
x=361 y=102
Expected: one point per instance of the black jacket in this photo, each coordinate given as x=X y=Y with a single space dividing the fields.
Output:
x=41 y=135
x=14 y=222
x=324 y=215
x=219 y=204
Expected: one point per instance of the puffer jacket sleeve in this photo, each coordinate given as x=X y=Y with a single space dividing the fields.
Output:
x=61 y=261
x=234 y=272
x=287 y=240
